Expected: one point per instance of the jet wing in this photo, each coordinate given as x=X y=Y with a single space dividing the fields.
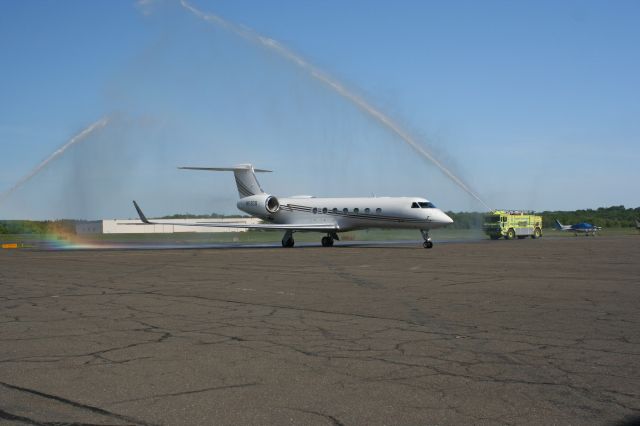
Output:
x=274 y=226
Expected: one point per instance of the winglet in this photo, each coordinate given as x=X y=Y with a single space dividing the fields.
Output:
x=143 y=218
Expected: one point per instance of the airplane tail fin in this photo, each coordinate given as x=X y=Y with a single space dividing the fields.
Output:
x=245 y=175
x=559 y=225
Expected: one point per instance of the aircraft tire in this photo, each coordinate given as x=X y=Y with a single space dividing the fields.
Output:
x=327 y=241
x=288 y=243
x=427 y=244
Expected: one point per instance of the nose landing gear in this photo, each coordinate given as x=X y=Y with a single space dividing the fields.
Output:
x=427 y=240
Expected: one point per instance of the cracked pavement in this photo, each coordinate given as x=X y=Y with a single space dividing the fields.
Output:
x=492 y=332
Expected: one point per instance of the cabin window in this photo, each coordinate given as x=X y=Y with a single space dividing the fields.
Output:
x=335 y=210
x=324 y=210
x=378 y=210
x=415 y=205
x=345 y=210
x=315 y=210
x=427 y=205
x=367 y=210
x=356 y=210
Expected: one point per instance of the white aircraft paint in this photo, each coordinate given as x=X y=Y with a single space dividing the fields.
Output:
x=327 y=215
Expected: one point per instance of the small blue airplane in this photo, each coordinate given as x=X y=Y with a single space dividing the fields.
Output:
x=578 y=228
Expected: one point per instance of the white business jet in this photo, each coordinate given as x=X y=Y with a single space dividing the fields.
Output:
x=325 y=215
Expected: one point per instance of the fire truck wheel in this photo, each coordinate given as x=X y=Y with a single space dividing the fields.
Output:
x=511 y=234
x=536 y=233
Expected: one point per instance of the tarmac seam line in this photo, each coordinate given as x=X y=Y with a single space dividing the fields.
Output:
x=91 y=408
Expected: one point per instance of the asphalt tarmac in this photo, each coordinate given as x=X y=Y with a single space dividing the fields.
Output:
x=492 y=332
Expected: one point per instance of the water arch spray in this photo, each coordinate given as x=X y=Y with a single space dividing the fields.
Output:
x=86 y=132
x=337 y=87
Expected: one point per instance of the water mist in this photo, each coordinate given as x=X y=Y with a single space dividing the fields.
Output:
x=336 y=86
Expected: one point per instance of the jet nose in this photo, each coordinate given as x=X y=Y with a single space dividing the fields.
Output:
x=444 y=218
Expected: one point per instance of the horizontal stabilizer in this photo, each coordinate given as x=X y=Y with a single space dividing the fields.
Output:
x=245 y=176
x=225 y=169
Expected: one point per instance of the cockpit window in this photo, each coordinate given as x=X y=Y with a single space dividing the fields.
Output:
x=427 y=205
x=423 y=205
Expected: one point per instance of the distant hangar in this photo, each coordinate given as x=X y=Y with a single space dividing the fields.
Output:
x=129 y=226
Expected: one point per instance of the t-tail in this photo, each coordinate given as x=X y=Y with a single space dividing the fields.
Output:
x=245 y=175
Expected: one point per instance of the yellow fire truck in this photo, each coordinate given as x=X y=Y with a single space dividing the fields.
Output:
x=512 y=224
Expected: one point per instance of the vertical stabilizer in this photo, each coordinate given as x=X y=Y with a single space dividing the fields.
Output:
x=245 y=176
x=246 y=181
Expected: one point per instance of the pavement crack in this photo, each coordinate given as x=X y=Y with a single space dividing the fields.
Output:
x=91 y=408
x=334 y=421
x=209 y=389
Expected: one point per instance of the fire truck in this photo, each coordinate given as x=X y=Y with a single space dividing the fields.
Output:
x=512 y=224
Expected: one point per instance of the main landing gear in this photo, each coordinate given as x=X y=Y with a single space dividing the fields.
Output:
x=287 y=240
x=427 y=240
x=328 y=240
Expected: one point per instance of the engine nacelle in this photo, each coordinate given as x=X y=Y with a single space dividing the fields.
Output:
x=272 y=204
x=260 y=205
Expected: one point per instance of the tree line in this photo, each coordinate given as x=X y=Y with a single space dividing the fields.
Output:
x=203 y=216
x=43 y=227
x=606 y=217
x=68 y=226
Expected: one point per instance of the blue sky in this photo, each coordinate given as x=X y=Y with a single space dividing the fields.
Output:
x=534 y=104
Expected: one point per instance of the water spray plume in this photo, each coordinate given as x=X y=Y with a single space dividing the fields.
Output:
x=58 y=152
x=335 y=85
